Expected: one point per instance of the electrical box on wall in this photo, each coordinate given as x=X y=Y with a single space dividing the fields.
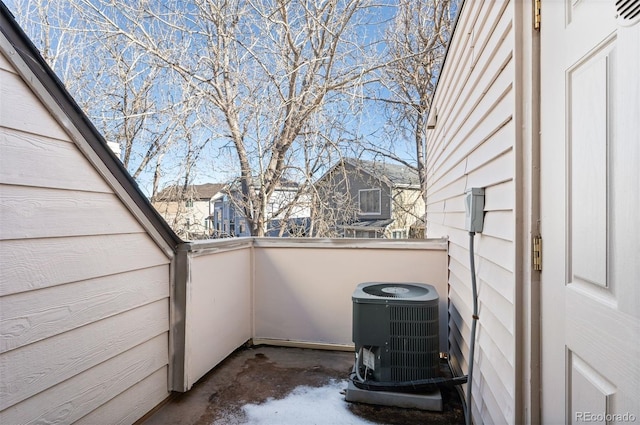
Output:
x=474 y=208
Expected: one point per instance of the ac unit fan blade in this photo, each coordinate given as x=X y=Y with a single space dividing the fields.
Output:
x=397 y=290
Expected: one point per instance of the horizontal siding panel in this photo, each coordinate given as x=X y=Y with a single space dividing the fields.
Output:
x=497 y=145
x=76 y=397
x=20 y=109
x=5 y=65
x=473 y=45
x=498 y=170
x=456 y=341
x=64 y=260
x=499 y=224
x=32 y=160
x=497 y=251
x=483 y=84
x=456 y=188
x=500 y=196
x=499 y=305
x=463 y=305
x=435 y=228
x=496 y=332
x=490 y=411
x=499 y=279
x=455 y=220
x=496 y=223
x=492 y=112
x=491 y=388
x=438 y=181
x=499 y=142
x=36 y=213
x=437 y=207
x=132 y=404
x=488 y=85
x=437 y=218
x=32 y=316
x=458 y=314
x=29 y=370
x=459 y=269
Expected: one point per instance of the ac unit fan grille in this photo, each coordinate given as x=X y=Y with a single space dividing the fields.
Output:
x=413 y=343
x=395 y=290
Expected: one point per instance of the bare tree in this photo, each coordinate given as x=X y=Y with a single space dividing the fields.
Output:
x=132 y=99
x=264 y=68
x=416 y=44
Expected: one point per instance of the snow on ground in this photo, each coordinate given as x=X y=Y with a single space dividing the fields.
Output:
x=305 y=406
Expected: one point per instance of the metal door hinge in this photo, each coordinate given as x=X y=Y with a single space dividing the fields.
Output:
x=536 y=14
x=537 y=253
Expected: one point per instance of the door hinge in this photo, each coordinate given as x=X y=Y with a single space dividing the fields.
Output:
x=537 y=253
x=536 y=14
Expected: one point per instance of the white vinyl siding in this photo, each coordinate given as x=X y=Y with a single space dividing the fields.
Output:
x=84 y=289
x=473 y=145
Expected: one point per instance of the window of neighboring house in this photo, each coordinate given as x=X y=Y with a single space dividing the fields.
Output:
x=188 y=203
x=188 y=224
x=371 y=234
x=241 y=230
x=399 y=234
x=369 y=201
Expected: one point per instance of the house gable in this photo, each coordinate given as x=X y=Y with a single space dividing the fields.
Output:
x=366 y=198
x=86 y=262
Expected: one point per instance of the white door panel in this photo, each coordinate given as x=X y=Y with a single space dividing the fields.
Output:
x=589 y=215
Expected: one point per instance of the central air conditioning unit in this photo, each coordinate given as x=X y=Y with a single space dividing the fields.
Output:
x=395 y=326
x=395 y=332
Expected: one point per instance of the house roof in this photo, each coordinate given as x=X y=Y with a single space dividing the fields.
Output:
x=368 y=224
x=203 y=192
x=393 y=174
x=74 y=117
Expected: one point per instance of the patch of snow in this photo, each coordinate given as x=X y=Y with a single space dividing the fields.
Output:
x=305 y=406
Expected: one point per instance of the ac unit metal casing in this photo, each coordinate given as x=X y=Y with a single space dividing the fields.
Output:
x=398 y=324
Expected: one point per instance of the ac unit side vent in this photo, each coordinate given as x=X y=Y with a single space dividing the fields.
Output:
x=628 y=9
x=413 y=343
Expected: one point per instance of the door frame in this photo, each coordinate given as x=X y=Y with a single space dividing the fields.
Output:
x=527 y=213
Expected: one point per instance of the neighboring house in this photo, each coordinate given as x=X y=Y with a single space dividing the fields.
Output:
x=227 y=220
x=368 y=199
x=187 y=210
x=85 y=261
x=541 y=110
x=287 y=212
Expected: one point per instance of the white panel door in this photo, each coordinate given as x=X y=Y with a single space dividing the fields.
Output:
x=590 y=215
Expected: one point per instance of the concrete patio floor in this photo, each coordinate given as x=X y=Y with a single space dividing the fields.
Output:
x=255 y=375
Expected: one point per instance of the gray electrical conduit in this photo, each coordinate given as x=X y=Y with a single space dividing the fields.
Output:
x=472 y=342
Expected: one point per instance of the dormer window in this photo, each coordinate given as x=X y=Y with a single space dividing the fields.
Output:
x=369 y=201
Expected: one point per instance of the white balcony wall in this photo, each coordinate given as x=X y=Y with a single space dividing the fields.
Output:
x=302 y=290
x=292 y=291
x=217 y=303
